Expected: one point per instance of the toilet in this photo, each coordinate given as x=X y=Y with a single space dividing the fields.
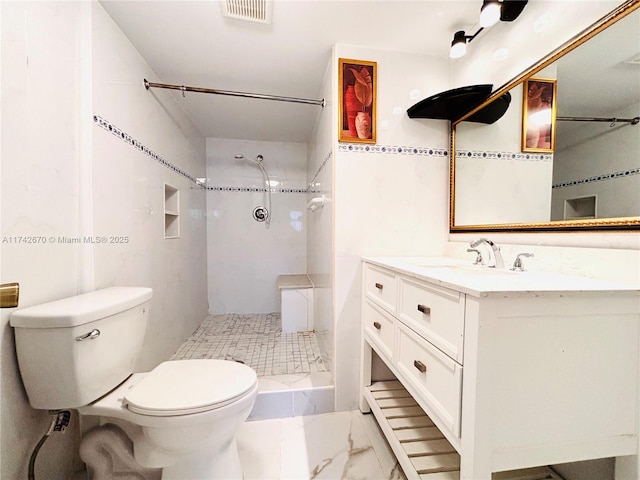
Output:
x=79 y=353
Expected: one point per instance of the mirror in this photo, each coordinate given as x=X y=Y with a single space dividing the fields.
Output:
x=590 y=178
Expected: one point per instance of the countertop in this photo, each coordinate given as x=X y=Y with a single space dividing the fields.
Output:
x=481 y=281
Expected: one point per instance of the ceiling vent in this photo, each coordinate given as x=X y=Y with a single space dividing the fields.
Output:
x=250 y=10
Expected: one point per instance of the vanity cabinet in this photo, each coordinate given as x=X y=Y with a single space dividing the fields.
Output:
x=510 y=377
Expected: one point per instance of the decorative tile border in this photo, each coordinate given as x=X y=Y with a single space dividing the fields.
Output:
x=125 y=137
x=221 y=188
x=598 y=178
x=393 y=149
x=518 y=156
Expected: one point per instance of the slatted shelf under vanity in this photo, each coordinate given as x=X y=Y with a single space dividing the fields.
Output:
x=421 y=449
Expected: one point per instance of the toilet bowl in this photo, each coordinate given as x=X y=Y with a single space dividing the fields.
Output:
x=183 y=414
x=187 y=412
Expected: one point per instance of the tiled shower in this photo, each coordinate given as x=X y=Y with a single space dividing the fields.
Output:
x=246 y=257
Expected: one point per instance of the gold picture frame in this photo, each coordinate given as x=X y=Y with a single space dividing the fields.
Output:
x=539 y=115
x=357 y=92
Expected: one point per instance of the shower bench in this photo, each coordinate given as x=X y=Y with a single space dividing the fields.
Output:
x=296 y=302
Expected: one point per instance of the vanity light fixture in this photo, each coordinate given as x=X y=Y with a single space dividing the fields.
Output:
x=459 y=43
x=490 y=12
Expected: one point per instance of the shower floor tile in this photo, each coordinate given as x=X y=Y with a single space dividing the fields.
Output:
x=257 y=340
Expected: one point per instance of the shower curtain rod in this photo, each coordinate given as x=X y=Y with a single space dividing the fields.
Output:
x=183 y=89
x=632 y=121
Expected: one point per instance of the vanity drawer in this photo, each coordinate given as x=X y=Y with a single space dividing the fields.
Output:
x=381 y=286
x=380 y=327
x=434 y=312
x=437 y=378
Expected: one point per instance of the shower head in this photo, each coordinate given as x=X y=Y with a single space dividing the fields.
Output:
x=261 y=214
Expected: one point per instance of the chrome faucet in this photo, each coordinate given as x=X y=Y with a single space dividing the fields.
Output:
x=497 y=261
x=479 y=260
x=517 y=264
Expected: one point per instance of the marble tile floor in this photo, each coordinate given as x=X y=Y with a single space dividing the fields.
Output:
x=330 y=446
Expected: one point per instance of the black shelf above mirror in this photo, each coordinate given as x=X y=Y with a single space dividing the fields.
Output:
x=452 y=104
x=493 y=111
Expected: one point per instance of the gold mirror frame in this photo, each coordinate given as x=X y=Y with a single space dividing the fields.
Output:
x=621 y=223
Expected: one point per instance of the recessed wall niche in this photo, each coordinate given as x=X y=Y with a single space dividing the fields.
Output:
x=171 y=211
x=581 y=207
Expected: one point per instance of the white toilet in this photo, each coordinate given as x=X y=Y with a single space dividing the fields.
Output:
x=79 y=352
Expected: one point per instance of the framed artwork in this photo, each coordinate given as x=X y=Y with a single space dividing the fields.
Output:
x=357 y=90
x=539 y=115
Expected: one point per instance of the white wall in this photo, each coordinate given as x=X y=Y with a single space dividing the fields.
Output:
x=542 y=27
x=391 y=202
x=245 y=258
x=64 y=175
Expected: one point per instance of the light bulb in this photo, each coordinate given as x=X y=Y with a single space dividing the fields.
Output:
x=489 y=13
x=458 y=45
x=458 y=50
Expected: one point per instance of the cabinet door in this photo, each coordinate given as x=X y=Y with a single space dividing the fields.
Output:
x=437 y=378
x=381 y=286
x=434 y=312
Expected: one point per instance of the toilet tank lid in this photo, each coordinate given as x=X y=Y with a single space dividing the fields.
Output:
x=81 y=309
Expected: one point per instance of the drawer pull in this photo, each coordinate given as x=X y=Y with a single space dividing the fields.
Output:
x=420 y=366
x=379 y=286
x=377 y=325
x=424 y=309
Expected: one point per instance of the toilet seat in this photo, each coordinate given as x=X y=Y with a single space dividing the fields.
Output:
x=185 y=387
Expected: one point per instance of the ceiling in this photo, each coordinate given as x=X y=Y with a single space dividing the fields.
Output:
x=191 y=43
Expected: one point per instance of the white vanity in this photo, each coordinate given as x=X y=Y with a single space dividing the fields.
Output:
x=515 y=369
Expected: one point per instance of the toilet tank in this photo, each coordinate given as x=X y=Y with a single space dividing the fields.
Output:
x=73 y=351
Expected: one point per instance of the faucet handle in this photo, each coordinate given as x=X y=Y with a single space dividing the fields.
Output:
x=517 y=264
x=479 y=259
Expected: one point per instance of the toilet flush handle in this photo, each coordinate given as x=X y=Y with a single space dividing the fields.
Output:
x=95 y=333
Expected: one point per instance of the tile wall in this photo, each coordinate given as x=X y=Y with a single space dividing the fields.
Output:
x=169 y=150
x=40 y=198
x=389 y=198
x=244 y=257
x=80 y=158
